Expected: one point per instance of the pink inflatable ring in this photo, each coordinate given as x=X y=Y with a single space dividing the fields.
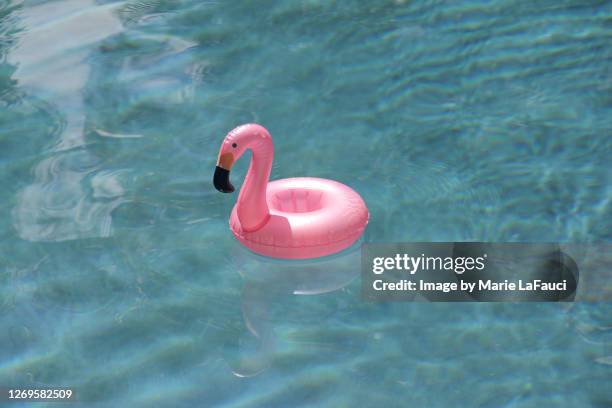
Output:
x=295 y=218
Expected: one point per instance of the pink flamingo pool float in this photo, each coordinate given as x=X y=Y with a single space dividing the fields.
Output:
x=294 y=218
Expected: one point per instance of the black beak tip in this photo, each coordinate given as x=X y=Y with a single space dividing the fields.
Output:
x=228 y=189
x=221 y=180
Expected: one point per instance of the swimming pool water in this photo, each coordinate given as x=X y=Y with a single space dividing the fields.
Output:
x=455 y=120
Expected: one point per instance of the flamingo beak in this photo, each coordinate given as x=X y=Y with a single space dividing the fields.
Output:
x=222 y=172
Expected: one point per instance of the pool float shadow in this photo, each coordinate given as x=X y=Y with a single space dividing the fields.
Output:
x=268 y=281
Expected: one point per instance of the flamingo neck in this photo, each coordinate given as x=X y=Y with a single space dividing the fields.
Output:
x=252 y=205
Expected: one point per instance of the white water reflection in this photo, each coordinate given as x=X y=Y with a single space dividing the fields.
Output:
x=51 y=60
x=59 y=54
x=270 y=283
x=57 y=207
x=51 y=55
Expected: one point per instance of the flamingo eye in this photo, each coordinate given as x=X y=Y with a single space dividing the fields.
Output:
x=234 y=145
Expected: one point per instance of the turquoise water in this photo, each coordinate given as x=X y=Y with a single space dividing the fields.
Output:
x=455 y=120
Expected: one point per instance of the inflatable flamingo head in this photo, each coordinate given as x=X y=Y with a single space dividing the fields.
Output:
x=234 y=145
